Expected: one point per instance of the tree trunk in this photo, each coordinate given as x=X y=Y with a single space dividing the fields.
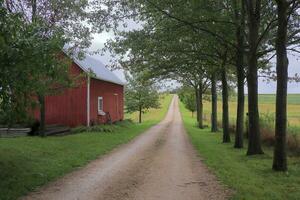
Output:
x=197 y=104
x=42 y=115
x=240 y=104
x=140 y=114
x=34 y=8
x=239 y=131
x=280 y=155
x=200 y=121
x=254 y=146
x=214 y=105
x=225 y=117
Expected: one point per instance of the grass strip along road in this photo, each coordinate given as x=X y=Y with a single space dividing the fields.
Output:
x=249 y=176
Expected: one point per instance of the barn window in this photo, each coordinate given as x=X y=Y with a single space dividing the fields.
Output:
x=100 y=104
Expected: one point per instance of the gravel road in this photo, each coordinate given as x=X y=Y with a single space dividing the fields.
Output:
x=159 y=164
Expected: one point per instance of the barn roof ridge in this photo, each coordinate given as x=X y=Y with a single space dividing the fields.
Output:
x=88 y=63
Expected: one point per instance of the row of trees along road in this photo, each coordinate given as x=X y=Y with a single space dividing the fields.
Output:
x=32 y=36
x=201 y=43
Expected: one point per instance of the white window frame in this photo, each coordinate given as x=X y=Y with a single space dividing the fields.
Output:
x=100 y=110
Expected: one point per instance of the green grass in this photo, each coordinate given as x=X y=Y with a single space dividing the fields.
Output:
x=153 y=115
x=29 y=162
x=250 y=177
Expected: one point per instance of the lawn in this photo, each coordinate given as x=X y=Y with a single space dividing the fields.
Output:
x=266 y=107
x=29 y=162
x=250 y=177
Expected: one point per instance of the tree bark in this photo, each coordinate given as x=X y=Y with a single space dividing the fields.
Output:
x=240 y=76
x=254 y=146
x=140 y=114
x=34 y=10
x=214 y=105
x=42 y=115
x=240 y=104
x=200 y=93
x=41 y=97
x=197 y=104
x=225 y=117
x=280 y=155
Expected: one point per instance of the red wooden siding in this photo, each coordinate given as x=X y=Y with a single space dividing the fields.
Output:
x=69 y=107
x=113 y=100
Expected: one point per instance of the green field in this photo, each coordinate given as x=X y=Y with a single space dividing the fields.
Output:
x=293 y=99
x=266 y=108
x=29 y=162
x=153 y=115
x=251 y=178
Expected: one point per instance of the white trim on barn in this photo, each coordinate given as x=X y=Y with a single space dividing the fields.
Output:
x=100 y=106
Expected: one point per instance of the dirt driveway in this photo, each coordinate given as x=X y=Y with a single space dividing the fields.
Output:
x=159 y=164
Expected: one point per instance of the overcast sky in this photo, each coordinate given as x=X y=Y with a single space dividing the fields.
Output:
x=264 y=87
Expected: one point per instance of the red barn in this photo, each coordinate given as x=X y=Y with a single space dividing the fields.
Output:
x=98 y=98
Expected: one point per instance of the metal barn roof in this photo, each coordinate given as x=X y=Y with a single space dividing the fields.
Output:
x=98 y=68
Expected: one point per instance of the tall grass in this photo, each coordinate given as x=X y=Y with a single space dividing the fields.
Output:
x=267 y=128
x=267 y=119
x=267 y=124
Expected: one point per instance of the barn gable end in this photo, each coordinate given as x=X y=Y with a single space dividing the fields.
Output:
x=69 y=107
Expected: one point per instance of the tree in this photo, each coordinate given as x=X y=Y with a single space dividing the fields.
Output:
x=164 y=58
x=140 y=94
x=15 y=60
x=255 y=36
x=285 y=10
x=51 y=26
x=23 y=48
x=189 y=99
x=214 y=104
x=239 y=18
x=225 y=115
